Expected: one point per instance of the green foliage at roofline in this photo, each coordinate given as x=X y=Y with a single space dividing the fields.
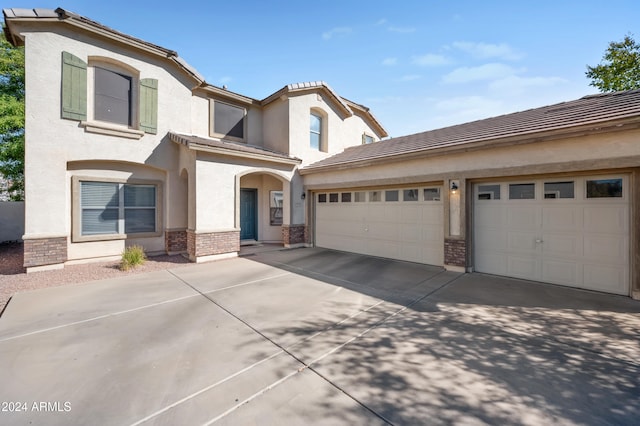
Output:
x=619 y=69
x=12 y=117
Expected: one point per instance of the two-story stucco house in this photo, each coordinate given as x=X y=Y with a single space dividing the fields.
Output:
x=125 y=143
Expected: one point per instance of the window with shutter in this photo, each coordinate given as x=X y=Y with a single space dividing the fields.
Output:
x=149 y=105
x=74 y=87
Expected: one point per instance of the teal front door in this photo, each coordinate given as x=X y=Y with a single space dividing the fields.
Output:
x=248 y=214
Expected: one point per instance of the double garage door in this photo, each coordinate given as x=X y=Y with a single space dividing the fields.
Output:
x=403 y=223
x=568 y=231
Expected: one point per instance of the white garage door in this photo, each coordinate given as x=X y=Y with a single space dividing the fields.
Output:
x=404 y=224
x=568 y=231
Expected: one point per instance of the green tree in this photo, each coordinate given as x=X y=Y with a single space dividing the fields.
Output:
x=619 y=68
x=12 y=116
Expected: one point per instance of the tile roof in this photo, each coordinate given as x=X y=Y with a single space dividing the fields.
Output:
x=232 y=148
x=62 y=15
x=588 y=113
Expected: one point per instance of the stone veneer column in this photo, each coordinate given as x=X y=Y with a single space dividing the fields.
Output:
x=455 y=253
x=175 y=241
x=203 y=246
x=294 y=235
x=45 y=253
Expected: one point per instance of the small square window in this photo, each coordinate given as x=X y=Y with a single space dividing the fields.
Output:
x=322 y=198
x=333 y=197
x=604 y=188
x=391 y=195
x=410 y=195
x=375 y=196
x=228 y=120
x=432 y=194
x=558 y=190
x=360 y=197
x=345 y=197
x=488 y=192
x=522 y=191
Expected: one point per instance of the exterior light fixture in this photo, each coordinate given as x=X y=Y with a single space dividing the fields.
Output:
x=303 y=196
x=454 y=186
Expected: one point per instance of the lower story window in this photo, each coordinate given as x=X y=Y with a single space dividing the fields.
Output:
x=108 y=208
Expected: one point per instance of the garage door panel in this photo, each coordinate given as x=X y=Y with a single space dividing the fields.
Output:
x=615 y=278
x=611 y=249
x=491 y=263
x=404 y=230
x=562 y=245
x=569 y=240
x=523 y=217
x=490 y=240
x=490 y=216
x=564 y=218
x=522 y=267
x=606 y=219
x=560 y=272
x=521 y=241
x=410 y=214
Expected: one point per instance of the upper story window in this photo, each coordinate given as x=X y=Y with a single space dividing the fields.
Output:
x=116 y=102
x=367 y=139
x=315 y=131
x=112 y=96
x=228 y=121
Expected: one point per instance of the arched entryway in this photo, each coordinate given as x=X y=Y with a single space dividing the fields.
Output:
x=262 y=206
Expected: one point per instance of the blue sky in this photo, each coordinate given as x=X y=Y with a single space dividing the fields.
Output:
x=418 y=65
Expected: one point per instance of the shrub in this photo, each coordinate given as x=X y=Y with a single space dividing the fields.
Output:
x=131 y=257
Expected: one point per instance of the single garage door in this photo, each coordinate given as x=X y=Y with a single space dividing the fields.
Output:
x=568 y=231
x=403 y=223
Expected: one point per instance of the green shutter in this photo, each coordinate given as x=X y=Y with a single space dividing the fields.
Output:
x=149 y=105
x=74 y=87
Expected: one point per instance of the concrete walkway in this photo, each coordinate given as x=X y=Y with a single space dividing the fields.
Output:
x=312 y=336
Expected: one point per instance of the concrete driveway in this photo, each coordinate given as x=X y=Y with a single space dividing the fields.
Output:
x=312 y=336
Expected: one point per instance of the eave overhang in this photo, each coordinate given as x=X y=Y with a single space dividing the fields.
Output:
x=214 y=146
x=481 y=144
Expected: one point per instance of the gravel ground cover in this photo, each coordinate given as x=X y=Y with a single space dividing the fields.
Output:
x=13 y=278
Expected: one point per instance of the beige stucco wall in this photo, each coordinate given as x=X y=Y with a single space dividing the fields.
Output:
x=276 y=126
x=342 y=132
x=217 y=186
x=52 y=142
x=594 y=152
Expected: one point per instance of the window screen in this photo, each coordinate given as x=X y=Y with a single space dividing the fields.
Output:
x=112 y=96
x=228 y=120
